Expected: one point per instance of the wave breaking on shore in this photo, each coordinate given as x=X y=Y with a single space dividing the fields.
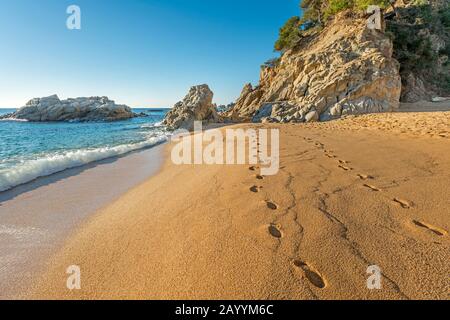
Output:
x=57 y=162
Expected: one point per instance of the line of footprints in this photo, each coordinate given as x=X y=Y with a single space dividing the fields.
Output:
x=345 y=166
x=274 y=230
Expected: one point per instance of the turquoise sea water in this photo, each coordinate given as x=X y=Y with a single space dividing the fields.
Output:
x=30 y=150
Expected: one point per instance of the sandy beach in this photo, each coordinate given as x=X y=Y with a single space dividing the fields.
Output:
x=351 y=193
x=36 y=218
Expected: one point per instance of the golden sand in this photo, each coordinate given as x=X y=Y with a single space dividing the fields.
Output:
x=362 y=191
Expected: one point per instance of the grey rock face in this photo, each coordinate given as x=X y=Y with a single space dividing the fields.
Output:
x=196 y=106
x=264 y=112
x=79 y=109
x=224 y=108
x=361 y=105
x=312 y=116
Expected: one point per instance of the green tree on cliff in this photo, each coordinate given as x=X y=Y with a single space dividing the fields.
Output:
x=316 y=14
x=289 y=34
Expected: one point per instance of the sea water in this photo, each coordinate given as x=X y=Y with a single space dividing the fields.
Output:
x=30 y=150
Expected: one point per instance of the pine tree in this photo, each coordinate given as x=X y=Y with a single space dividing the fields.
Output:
x=289 y=34
x=313 y=10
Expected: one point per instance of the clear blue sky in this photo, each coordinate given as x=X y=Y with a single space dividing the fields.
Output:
x=138 y=52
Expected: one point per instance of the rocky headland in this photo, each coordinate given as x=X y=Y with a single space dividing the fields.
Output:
x=79 y=109
x=345 y=69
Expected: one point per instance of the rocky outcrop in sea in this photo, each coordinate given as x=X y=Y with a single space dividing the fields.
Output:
x=196 y=106
x=79 y=109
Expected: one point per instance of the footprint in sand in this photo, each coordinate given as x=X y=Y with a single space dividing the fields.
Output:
x=259 y=177
x=371 y=187
x=343 y=162
x=365 y=177
x=405 y=204
x=314 y=277
x=271 y=205
x=275 y=232
x=345 y=168
x=252 y=168
x=255 y=189
x=438 y=231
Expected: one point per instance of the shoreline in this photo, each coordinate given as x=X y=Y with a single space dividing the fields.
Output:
x=37 y=217
x=350 y=194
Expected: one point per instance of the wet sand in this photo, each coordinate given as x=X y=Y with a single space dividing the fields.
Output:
x=350 y=194
x=36 y=218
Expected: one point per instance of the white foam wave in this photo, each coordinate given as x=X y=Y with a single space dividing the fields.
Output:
x=14 y=119
x=53 y=163
x=153 y=125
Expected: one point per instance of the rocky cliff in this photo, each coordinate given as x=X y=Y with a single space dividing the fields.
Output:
x=79 y=109
x=344 y=69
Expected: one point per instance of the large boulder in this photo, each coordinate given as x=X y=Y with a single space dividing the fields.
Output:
x=196 y=106
x=79 y=109
x=344 y=69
